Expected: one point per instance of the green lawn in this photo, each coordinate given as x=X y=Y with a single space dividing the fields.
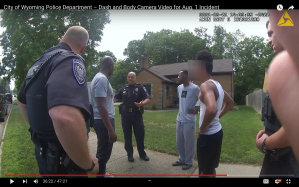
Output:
x=18 y=150
x=240 y=128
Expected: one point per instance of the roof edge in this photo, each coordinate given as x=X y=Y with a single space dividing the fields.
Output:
x=145 y=69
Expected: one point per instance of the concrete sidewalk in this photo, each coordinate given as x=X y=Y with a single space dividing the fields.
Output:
x=161 y=164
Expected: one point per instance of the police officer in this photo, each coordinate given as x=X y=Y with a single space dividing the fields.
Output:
x=54 y=100
x=133 y=96
x=273 y=141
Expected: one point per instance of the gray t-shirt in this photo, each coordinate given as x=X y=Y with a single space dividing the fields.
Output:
x=188 y=97
x=101 y=87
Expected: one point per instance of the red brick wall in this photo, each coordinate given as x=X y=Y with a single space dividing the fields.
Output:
x=169 y=101
x=145 y=77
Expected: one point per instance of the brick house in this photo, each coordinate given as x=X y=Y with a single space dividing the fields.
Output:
x=161 y=81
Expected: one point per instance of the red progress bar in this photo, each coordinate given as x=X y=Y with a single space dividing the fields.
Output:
x=111 y=175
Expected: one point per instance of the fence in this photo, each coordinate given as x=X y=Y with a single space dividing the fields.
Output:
x=255 y=100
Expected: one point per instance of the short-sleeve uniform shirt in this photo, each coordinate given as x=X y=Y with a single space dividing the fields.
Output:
x=129 y=94
x=65 y=78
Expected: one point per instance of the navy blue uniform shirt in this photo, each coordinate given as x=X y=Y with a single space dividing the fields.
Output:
x=129 y=94
x=66 y=81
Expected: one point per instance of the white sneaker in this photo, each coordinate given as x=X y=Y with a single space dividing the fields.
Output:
x=108 y=176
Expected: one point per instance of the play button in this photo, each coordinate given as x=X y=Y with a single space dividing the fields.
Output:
x=11 y=181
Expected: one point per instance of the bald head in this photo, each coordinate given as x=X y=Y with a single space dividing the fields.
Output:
x=76 y=37
x=131 y=78
x=107 y=65
x=132 y=74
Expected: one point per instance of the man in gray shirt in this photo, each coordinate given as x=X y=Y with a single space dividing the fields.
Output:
x=186 y=121
x=103 y=109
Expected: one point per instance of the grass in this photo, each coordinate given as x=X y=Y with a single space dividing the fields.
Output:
x=15 y=102
x=239 y=131
x=18 y=150
x=239 y=127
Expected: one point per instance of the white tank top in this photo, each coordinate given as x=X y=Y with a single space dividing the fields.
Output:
x=215 y=125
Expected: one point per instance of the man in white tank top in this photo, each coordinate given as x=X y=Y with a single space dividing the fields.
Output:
x=211 y=98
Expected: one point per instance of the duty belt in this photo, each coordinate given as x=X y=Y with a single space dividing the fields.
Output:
x=54 y=154
x=127 y=109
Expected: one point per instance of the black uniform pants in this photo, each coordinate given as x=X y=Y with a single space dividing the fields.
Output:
x=276 y=169
x=104 y=148
x=135 y=120
x=43 y=169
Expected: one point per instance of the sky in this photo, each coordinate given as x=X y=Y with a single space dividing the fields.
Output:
x=128 y=25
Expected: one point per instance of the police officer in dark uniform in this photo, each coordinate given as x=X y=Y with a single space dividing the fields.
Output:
x=133 y=96
x=279 y=158
x=54 y=100
x=279 y=161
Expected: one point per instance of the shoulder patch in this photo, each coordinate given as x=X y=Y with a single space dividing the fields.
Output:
x=144 y=88
x=147 y=95
x=33 y=70
x=79 y=71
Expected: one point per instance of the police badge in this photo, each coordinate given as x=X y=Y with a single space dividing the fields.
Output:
x=79 y=71
x=33 y=70
x=136 y=89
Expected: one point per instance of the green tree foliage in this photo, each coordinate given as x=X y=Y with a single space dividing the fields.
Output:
x=29 y=33
x=4 y=86
x=121 y=70
x=251 y=56
x=94 y=66
x=165 y=47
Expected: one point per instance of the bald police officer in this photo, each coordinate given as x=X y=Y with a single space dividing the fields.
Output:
x=54 y=100
x=133 y=96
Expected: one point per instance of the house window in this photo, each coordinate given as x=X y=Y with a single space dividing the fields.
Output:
x=148 y=88
x=167 y=92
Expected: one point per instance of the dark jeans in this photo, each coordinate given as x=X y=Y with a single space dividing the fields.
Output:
x=43 y=169
x=104 y=148
x=134 y=120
